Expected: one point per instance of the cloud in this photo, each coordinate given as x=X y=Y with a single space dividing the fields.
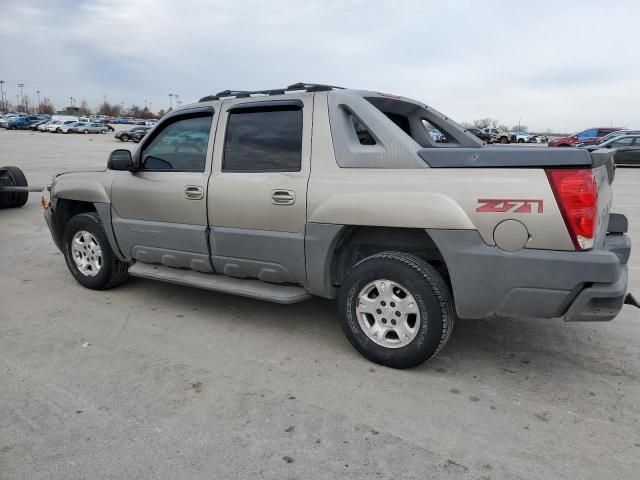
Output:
x=563 y=66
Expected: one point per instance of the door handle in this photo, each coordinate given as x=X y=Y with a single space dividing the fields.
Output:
x=283 y=197
x=193 y=192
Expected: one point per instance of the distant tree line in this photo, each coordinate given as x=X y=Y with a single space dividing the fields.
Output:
x=494 y=123
x=111 y=110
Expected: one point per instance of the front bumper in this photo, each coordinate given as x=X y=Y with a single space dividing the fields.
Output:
x=574 y=286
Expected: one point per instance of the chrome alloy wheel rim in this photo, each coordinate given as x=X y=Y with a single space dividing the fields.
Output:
x=388 y=314
x=86 y=253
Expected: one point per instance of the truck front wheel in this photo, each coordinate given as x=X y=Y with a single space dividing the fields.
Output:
x=89 y=256
x=396 y=309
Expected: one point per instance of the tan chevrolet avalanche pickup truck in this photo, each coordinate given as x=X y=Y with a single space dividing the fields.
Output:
x=317 y=190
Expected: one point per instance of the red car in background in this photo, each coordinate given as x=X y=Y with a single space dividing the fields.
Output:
x=583 y=136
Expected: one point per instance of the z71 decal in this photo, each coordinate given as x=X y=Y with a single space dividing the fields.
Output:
x=502 y=205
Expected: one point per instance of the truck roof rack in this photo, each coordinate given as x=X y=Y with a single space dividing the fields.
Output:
x=296 y=87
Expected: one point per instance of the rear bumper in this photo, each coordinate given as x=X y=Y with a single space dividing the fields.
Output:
x=574 y=286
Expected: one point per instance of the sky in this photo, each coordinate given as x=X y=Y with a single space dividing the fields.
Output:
x=558 y=65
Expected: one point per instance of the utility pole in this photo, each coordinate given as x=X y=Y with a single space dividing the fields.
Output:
x=39 y=104
x=171 y=101
x=17 y=101
x=177 y=99
x=2 y=102
x=20 y=86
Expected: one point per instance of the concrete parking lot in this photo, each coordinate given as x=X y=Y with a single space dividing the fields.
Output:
x=152 y=380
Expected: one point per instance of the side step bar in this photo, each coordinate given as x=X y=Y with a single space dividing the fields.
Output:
x=221 y=283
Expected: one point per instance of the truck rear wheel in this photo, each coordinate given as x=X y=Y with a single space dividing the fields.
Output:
x=396 y=309
x=89 y=256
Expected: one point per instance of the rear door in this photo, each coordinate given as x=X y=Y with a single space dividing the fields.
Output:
x=160 y=211
x=258 y=188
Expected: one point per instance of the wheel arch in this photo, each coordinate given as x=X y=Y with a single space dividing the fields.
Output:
x=66 y=209
x=331 y=250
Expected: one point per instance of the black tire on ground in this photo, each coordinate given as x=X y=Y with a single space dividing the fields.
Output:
x=103 y=131
x=504 y=140
x=85 y=131
x=112 y=272
x=430 y=291
x=521 y=140
x=14 y=199
x=124 y=138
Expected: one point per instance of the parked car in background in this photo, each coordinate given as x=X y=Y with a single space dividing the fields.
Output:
x=497 y=135
x=606 y=138
x=90 y=127
x=45 y=126
x=436 y=135
x=539 y=139
x=72 y=128
x=481 y=134
x=16 y=123
x=584 y=136
x=35 y=125
x=126 y=135
x=519 y=137
x=627 y=148
x=57 y=127
x=140 y=134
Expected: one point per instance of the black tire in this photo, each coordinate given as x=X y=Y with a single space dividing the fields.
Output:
x=430 y=291
x=103 y=131
x=521 y=140
x=14 y=199
x=85 y=131
x=124 y=138
x=504 y=140
x=113 y=272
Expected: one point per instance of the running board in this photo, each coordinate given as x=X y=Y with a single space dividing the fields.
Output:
x=221 y=283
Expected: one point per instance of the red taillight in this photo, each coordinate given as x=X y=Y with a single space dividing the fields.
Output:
x=577 y=195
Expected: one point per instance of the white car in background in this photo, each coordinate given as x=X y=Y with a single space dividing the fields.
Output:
x=520 y=137
x=57 y=127
x=72 y=127
x=45 y=126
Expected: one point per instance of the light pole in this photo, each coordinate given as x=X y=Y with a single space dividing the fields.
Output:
x=39 y=104
x=20 y=86
x=171 y=101
x=177 y=99
x=17 y=101
x=2 y=105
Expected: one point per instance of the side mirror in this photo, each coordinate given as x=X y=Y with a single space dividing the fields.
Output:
x=120 y=160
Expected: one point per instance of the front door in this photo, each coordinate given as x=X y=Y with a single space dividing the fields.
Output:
x=159 y=212
x=258 y=189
